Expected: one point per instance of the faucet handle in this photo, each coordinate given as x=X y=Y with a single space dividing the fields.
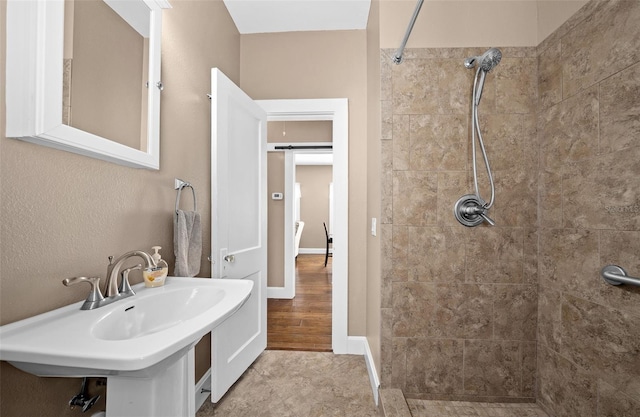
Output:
x=125 y=287
x=95 y=296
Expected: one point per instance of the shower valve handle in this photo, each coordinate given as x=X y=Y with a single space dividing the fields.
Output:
x=470 y=210
x=478 y=211
x=487 y=219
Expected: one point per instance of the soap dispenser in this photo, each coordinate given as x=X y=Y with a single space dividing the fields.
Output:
x=156 y=277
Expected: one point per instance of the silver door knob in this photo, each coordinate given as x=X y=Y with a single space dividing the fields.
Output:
x=230 y=258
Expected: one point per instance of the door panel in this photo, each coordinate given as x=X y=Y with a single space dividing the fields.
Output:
x=244 y=176
x=238 y=223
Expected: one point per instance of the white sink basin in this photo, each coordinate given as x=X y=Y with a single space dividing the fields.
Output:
x=130 y=337
x=153 y=314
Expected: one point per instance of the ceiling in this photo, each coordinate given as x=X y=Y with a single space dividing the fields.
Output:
x=264 y=16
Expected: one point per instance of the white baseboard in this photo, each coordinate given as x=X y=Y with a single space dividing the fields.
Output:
x=359 y=345
x=280 y=292
x=204 y=383
x=314 y=251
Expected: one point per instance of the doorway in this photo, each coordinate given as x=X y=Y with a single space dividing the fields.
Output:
x=335 y=110
x=303 y=321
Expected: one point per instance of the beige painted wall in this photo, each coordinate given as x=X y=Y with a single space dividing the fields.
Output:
x=322 y=65
x=473 y=23
x=62 y=213
x=314 y=205
x=553 y=13
x=459 y=23
x=275 y=220
x=308 y=131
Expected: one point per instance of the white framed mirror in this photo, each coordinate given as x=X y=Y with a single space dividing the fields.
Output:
x=34 y=87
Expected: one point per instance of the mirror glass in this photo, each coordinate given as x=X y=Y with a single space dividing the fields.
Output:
x=105 y=74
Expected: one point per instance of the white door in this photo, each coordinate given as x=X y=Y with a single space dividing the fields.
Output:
x=238 y=226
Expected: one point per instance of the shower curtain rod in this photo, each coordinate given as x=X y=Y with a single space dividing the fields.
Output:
x=397 y=57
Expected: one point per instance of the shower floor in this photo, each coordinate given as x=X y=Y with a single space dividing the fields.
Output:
x=427 y=408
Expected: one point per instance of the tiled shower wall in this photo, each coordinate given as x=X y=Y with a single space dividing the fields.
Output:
x=460 y=308
x=589 y=133
x=459 y=305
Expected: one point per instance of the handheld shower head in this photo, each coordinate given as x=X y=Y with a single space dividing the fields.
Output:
x=490 y=59
x=487 y=61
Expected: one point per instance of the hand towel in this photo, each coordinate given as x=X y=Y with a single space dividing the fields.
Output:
x=187 y=243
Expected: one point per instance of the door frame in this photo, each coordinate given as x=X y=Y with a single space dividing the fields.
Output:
x=336 y=111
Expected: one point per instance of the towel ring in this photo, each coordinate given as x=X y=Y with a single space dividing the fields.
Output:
x=180 y=185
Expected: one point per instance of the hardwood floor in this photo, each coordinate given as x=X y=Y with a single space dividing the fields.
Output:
x=303 y=323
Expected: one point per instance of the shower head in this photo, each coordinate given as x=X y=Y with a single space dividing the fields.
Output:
x=487 y=61
x=490 y=59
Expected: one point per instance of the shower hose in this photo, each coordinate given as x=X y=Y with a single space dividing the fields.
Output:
x=478 y=84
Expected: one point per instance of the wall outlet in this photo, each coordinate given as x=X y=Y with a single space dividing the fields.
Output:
x=277 y=196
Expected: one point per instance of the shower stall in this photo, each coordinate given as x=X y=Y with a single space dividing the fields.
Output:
x=515 y=312
x=461 y=309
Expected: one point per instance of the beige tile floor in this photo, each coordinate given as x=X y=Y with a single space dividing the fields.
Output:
x=317 y=384
x=424 y=408
x=299 y=384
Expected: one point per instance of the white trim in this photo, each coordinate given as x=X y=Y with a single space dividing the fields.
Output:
x=289 y=227
x=314 y=251
x=204 y=383
x=336 y=110
x=314 y=158
x=134 y=13
x=359 y=345
x=283 y=293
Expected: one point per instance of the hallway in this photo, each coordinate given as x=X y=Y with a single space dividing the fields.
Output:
x=304 y=322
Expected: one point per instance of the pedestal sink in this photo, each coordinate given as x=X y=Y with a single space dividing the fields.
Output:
x=142 y=344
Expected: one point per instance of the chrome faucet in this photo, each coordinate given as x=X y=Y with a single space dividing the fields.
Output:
x=111 y=286
x=111 y=290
